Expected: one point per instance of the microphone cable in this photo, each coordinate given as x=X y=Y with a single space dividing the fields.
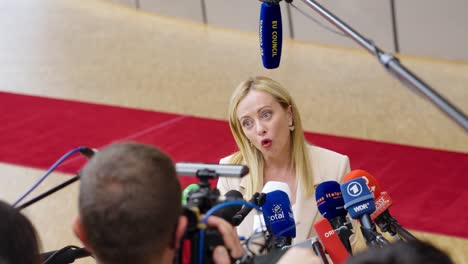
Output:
x=213 y=210
x=48 y=192
x=83 y=150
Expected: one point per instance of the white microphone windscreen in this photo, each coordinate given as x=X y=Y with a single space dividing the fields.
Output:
x=277 y=186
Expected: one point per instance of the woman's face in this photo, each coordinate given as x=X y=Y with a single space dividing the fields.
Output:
x=265 y=123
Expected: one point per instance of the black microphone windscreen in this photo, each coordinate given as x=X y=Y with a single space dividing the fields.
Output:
x=233 y=195
x=228 y=212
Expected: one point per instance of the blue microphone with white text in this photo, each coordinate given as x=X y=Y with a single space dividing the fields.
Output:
x=330 y=204
x=279 y=218
x=359 y=202
x=270 y=33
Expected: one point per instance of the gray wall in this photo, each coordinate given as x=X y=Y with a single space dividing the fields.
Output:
x=434 y=28
x=423 y=27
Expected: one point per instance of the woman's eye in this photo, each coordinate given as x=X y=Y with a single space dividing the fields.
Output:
x=246 y=123
x=266 y=115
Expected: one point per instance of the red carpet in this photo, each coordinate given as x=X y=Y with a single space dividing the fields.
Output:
x=427 y=186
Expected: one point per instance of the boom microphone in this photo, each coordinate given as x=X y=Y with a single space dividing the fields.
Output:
x=359 y=202
x=270 y=33
x=330 y=204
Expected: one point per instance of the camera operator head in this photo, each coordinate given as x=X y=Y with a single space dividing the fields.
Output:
x=130 y=205
x=411 y=252
x=130 y=208
x=18 y=238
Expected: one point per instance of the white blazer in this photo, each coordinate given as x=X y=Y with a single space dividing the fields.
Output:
x=326 y=166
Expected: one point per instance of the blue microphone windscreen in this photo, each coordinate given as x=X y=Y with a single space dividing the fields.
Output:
x=271 y=35
x=278 y=215
x=329 y=200
x=358 y=198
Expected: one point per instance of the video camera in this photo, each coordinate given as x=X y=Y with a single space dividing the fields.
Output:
x=198 y=200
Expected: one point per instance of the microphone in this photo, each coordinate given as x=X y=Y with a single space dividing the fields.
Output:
x=382 y=216
x=330 y=204
x=359 y=202
x=382 y=203
x=270 y=33
x=233 y=195
x=228 y=213
x=386 y=222
x=85 y=151
x=88 y=152
x=257 y=199
x=335 y=249
x=371 y=182
x=278 y=214
x=276 y=185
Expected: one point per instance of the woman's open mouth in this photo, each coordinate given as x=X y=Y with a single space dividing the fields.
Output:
x=266 y=143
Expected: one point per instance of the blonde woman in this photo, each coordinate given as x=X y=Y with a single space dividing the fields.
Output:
x=267 y=128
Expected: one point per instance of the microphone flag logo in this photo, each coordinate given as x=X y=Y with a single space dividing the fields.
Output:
x=354 y=189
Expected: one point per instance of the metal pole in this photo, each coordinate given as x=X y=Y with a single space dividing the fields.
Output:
x=393 y=66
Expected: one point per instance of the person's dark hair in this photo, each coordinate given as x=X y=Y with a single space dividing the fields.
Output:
x=129 y=203
x=413 y=252
x=19 y=243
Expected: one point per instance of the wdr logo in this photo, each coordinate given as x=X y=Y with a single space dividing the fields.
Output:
x=361 y=207
x=354 y=189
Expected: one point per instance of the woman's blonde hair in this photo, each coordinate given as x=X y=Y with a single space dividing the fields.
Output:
x=250 y=155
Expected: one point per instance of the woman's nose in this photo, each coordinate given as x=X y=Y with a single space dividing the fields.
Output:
x=260 y=129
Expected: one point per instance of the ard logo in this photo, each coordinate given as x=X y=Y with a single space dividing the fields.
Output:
x=354 y=189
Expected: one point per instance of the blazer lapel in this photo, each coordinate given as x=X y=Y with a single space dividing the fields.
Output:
x=305 y=212
x=243 y=185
